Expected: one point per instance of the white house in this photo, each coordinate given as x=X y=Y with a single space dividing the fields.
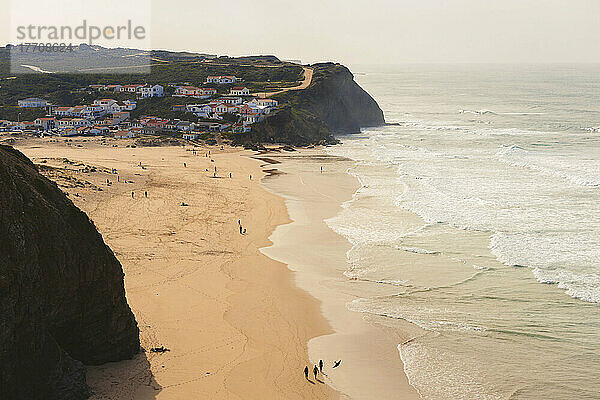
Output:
x=186 y=91
x=72 y=123
x=45 y=123
x=253 y=118
x=130 y=88
x=63 y=111
x=124 y=134
x=33 y=103
x=253 y=108
x=221 y=108
x=200 y=110
x=113 y=106
x=151 y=91
x=265 y=102
x=191 y=136
x=208 y=91
x=223 y=79
x=88 y=112
x=193 y=91
x=231 y=100
x=127 y=105
x=92 y=112
x=239 y=91
x=104 y=103
x=99 y=130
x=185 y=126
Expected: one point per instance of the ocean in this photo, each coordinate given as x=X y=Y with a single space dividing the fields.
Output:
x=479 y=210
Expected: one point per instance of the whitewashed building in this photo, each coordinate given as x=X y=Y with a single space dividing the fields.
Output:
x=239 y=91
x=231 y=100
x=151 y=91
x=33 y=103
x=223 y=79
x=200 y=110
x=265 y=102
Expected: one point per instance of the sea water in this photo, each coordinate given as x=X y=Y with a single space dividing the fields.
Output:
x=481 y=205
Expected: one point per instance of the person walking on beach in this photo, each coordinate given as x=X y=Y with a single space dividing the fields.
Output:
x=184 y=165
x=241 y=230
x=146 y=194
x=321 y=366
x=132 y=195
x=306 y=372
x=315 y=371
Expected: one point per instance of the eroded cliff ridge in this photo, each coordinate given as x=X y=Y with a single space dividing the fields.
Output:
x=332 y=104
x=62 y=299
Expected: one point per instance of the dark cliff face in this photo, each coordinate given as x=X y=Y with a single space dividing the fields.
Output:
x=62 y=299
x=333 y=104
x=291 y=126
x=338 y=100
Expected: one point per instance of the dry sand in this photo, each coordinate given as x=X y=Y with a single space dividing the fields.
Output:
x=235 y=324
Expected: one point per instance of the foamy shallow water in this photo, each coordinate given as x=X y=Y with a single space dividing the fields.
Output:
x=502 y=265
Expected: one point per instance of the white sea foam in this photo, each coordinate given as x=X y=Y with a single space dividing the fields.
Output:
x=417 y=250
x=440 y=375
x=490 y=112
x=585 y=287
x=544 y=252
x=577 y=171
x=429 y=318
x=484 y=201
x=531 y=179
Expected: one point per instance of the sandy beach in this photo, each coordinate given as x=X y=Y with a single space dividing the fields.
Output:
x=372 y=368
x=234 y=322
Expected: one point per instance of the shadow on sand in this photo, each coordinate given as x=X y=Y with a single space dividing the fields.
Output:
x=123 y=380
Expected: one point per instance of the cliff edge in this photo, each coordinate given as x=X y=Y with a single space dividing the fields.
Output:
x=62 y=299
x=332 y=104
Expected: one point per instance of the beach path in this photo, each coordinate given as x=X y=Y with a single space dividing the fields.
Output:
x=308 y=74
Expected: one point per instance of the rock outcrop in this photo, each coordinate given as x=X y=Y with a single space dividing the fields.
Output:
x=332 y=104
x=337 y=99
x=62 y=299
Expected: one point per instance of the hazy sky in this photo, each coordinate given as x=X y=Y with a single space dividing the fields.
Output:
x=378 y=31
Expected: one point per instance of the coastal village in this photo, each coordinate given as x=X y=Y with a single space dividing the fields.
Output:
x=221 y=104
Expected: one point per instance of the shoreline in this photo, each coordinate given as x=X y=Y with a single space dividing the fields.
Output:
x=235 y=324
x=371 y=365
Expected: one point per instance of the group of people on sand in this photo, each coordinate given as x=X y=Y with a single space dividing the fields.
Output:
x=242 y=229
x=319 y=369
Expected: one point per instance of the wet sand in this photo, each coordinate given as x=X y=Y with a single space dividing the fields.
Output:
x=371 y=366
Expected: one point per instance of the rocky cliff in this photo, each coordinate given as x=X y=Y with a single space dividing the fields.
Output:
x=332 y=104
x=62 y=300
